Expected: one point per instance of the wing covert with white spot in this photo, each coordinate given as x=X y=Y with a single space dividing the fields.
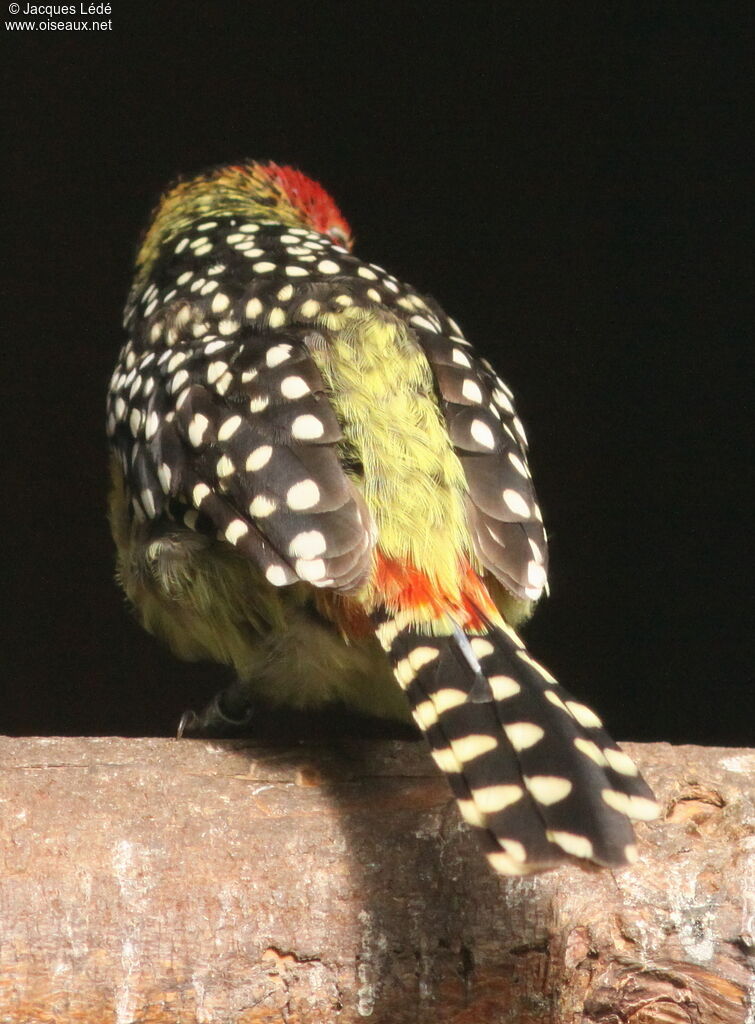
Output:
x=223 y=328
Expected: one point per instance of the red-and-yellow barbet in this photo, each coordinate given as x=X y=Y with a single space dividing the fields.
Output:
x=317 y=482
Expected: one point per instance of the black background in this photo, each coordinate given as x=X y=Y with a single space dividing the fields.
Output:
x=567 y=182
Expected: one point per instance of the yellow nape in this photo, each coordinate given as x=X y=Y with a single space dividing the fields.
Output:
x=245 y=190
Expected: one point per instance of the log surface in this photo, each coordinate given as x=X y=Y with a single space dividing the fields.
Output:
x=225 y=882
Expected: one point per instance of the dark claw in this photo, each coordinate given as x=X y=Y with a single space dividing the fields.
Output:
x=187 y=725
x=214 y=721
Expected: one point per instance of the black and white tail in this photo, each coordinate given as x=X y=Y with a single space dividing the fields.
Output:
x=531 y=768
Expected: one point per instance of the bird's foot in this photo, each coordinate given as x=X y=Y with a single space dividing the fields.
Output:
x=216 y=721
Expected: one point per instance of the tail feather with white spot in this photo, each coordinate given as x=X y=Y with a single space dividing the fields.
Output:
x=533 y=770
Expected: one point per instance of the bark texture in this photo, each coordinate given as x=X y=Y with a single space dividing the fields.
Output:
x=159 y=881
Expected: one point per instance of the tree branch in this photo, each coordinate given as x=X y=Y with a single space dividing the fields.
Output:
x=230 y=883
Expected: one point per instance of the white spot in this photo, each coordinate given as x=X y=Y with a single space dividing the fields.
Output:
x=294 y=271
x=228 y=326
x=591 y=750
x=444 y=699
x=249 y=229
x=548 y=789
x=460 y=357
x=207 y=226
x=365 y=272
x=584 y=715
x=262 y=506
x=185 y=277
x=199 y=493
x=294 y=387
x=250 y=253
x=307 y=427
x=536 y=575
x=206 y=289
x=259 y=404
x=505 y=864
x=278 y=354
x=303 y=495
x=277 y=575
x=445 y=759
x=577 y=846
x=211 y=347
x=285 y=292
x=482 y=433
x=344 y=300
x=216 y=370
x=470 y=747
x=328 y=267
x=224 y=383
x=308 y=545
x=481 y=647
x=181 y=245
x=217 y=269
x=197 y=428
x=163 y=475
x=259 y=458
x=504 y=687
x=373 y=294
x=229 y=428
x=619 y=801
x=518 y=465
x=490 y=799
x=135 y=421
x=556 y=701
x=277 y=317
x=523 y=735
x=264 y=267
x=620 y=762
x=643 y=809
x=310 y=308
x=224 y=467
x=421 y=321
x=471 y=391
x=153 y=422
x=514 y=500
x=503 y=401
x=235 y=530
x=536 y=552
x=220 y=302
x=467 y=809
x=517 y=424
x=422 y=656
x=311 y=570
x=404 y=672
x=149 y=502
x=253 y=309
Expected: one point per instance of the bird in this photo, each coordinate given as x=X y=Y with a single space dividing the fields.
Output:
x=317 y=481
